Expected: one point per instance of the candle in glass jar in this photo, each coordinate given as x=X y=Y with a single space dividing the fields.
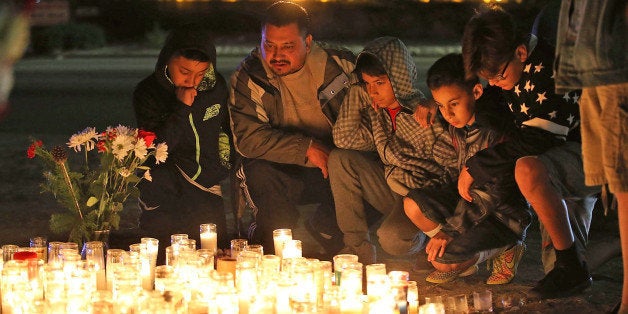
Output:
x=209 y=237
x=280 y=236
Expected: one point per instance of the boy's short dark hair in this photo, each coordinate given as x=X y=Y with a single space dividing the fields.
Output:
x=369 y=65
x=449 y=70
x=489 y=40
x=193 y=54
x=282 y=13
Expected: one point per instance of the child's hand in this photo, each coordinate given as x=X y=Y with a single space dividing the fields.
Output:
x=425 y=114
x=186 y=95
x=464 y=184
x=437 y=245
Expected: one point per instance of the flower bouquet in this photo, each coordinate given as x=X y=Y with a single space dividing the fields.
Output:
x=92 y=187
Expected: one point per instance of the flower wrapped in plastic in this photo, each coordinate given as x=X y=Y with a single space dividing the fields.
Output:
x=93 y=184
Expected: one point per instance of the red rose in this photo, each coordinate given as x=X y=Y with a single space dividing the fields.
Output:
x=148 y=137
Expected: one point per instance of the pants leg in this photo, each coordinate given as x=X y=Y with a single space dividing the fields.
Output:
x=358 y=177
x=564 y=166
x=183 y=213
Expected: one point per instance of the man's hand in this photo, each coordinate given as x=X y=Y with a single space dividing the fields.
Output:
x=425 y=114
x=437 y=245
x=464 y=184
x=317 y=154
x=186 y=95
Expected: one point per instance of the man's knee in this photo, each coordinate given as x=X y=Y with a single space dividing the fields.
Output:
x=529 y=172
x=339 y=159
x=393 y=241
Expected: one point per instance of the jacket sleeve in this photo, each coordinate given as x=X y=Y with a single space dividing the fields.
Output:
x=152 y=116
x=494 y=162
x=352 y=129
x=254 y=136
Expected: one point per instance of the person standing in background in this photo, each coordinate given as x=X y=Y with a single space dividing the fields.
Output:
x=14 y=39
x=591 y=54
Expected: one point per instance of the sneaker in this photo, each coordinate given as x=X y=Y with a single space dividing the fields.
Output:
x=439 y=277
x=366 y=252
x=505 y=265
x=564 y=280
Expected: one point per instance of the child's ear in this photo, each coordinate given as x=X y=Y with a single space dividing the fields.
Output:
x=522 y=53
x=477 y=91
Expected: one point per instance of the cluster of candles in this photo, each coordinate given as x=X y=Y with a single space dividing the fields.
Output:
x=59 y=278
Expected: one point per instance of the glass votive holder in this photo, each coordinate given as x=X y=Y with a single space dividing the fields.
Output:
x=41 y=244
x=8 y=250
x=483 y=301
x=207 y=258
x=399 y=284
x=432 y=308
x=279 y=237
x=226 y=264
x=373 y=270
x=340 y=262
x=429 y=298
x=237 y=246
x=292 y=249
x=209 y=236
x=457 y=304
x=351 y=279
x=115 y=259
x=255 y=248
x=165 y=276
x=177 y=237
x=53 y=252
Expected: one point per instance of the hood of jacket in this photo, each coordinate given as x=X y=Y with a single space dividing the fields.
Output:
x=189 y=37
x=394 y=56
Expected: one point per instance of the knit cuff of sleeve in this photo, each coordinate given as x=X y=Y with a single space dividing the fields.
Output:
x=434 y=231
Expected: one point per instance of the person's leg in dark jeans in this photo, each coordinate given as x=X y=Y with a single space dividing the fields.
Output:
x=275 y=190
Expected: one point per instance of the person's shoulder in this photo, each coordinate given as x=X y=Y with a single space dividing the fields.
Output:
x=337 y=50
x=148 y=83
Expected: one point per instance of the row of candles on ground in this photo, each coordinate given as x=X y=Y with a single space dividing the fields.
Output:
x=58 y=278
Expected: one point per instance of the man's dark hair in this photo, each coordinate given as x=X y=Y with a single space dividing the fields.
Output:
x=282 y=13
x=369 y=65
x=449 y=70
x=193 y=54
x=489 y=40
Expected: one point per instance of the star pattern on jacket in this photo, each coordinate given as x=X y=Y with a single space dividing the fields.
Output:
x=541 y=97
x=517 y=90
x=533 y=95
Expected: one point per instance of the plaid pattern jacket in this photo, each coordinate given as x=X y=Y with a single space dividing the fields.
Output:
x=257 y=111
x=413 y=157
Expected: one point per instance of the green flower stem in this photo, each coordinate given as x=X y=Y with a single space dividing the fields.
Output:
x=69 y=183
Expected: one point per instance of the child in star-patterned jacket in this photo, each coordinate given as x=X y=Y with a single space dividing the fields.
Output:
x=545 y=156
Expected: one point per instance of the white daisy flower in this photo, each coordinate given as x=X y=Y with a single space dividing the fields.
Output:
x=87 y=137
x=161 y=152
x=140 y=149
x=124 y=130
x=147 y=176
x=122 y=145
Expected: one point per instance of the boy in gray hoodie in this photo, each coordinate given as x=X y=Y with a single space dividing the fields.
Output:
x=383 y=152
